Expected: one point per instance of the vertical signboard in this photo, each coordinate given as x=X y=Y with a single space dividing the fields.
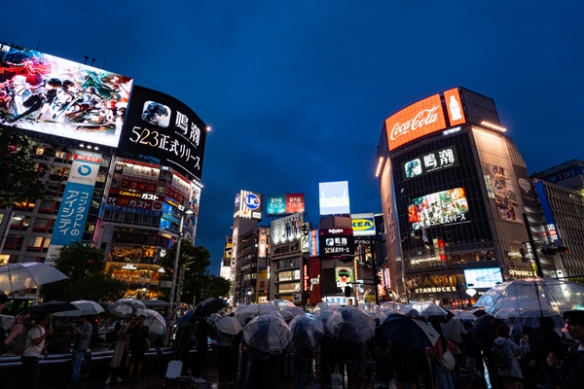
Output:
x=554 y=234
x=248 y=205
x=454 y=107
x=75 y=204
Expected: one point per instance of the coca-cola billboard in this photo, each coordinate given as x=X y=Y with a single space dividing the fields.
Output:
x=419 y=119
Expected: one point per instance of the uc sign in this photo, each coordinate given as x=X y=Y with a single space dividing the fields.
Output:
x=252 y=201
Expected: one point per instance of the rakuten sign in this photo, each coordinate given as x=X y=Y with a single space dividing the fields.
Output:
x=419 y=119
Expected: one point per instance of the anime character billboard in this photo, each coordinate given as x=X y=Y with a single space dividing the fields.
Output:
x=40 y=92
x=447 y=207
x=505 y=195
x=163 y=127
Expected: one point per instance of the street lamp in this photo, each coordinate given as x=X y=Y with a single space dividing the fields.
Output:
x=176 y=259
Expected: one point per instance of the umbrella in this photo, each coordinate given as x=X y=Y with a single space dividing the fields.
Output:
x=267 y=333
x=429 y=309
x=20 y=276
x=530 y=317
x=478 y=312
x=392 y=306
x=379 y=316
x=184 y=318
x=244 y=312
x=84 y=307
x=209 y=306
x=550 y=296
x=324 y=306
x=324 y=316
x=481 y=323
x=463 y=315
x=280 y=303
x=412 y=333
x=154 y=320
x=289 y=313
x=126 y=307
x=306 y=331
x=228 y=325
x=351 y=324
x=50 y=307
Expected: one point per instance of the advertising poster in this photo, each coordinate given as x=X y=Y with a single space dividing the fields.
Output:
x=336 y=243
x=505 y=195
x=191 y=219
x=483 y=278
x=431 y=162
x=275 y=205
x=387 y=202
x=43 y=93
x=295 y=202
x=447 y=207
x=163 y=127
x=287 y=229
x=334 y=198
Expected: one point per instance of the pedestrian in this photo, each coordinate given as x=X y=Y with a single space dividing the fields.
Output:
x=348 y=353
x=120 y=351
x=34 y=347
x=245 y=361
x=302 y=358
x=183 y=344
x=437 y=354
x=82 y=333
x=138 y=345
x=7 y=337
x=202 y=331
x=511 y=375
x=486 y=339
x=225 y=358
x=543 y=340
x=380 y=352
x=571 y=367
x=473 y=355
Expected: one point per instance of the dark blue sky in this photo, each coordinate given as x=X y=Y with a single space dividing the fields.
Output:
x=297 y=91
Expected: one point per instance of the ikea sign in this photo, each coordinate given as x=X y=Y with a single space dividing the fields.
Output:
x=363 y=224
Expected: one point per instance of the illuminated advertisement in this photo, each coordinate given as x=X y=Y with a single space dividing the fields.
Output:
x=163 y=127
x=248 y=205
x=137 y=169
x=431 y=162
x=363 y=224
x=447 y=207
x=314 y=279
x=483 y=278
x=286 y=229
x=313 y=243
x=419 y=119
x=192 y=219
x=336 y=243
x=505 y=195
x=344 y=275
x=262 y=242
x=454 y=107
x=284 y=204
x=334 y=198
x=43 y=93
x=75 y=204
x=554 y=234
x=387 y=204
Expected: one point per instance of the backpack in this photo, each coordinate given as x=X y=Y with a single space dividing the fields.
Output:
x=498 y=357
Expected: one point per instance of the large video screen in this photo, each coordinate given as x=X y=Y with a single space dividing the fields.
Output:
x=483 y=278
x=334 y=198
x=431 y=162
x=446 y=207
x=43 y=93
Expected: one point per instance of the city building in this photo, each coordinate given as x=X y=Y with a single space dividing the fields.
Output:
x=125 y=176
x=455 y=198
x=560 y=194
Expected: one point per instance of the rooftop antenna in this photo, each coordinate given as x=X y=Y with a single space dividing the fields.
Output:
x=86 y=58
x=103 y=67
x=39 y=44
x=92 y=61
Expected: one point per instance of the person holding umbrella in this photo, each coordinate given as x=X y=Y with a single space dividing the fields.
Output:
x=202 y=330
x=571 y=367
x=119 y=351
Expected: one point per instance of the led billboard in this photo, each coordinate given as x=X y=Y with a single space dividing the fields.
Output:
x=334 y=198
x=336 y=243
x=163 y=127
x=431 y=162
x=483 y=278
x=446 y=207
x=284 y=204
x=43 y=93
x=505 y=195
x=286 y=229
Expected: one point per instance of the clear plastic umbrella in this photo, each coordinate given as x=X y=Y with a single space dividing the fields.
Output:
x=21 y=276
x=84 y=307
x=244 y=312
x=542 y=296
x=392 y=306
x=351 y=324
x=228 y=325
x=463 y=315
x=306 y=331
x=428 y=309
x=126 y=307
x=267 y=333
x=154 y=320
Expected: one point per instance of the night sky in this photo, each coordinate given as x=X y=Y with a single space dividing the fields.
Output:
x=297 y=91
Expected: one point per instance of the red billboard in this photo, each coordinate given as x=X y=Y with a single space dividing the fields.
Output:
x=295 y=203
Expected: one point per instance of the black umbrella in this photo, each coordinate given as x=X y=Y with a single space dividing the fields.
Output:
x=481 y=323
x=209 y=306
x=50 y=307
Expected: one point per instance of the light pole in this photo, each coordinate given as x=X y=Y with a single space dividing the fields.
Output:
x=176 y=260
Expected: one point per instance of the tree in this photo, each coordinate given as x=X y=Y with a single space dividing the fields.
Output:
x=84 y=265
x=193 y=264
x=22 y=167
x=218 y=286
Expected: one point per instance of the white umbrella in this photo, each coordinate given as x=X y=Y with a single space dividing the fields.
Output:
x=243 y=312
x=228 y=325
x=154 y=320
x=392 y=306
x=540 y=296
x=463 y=315
x=21 y=276
x=427 y=308
x=84 y=307
x=126 y=307
x=267 y=333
